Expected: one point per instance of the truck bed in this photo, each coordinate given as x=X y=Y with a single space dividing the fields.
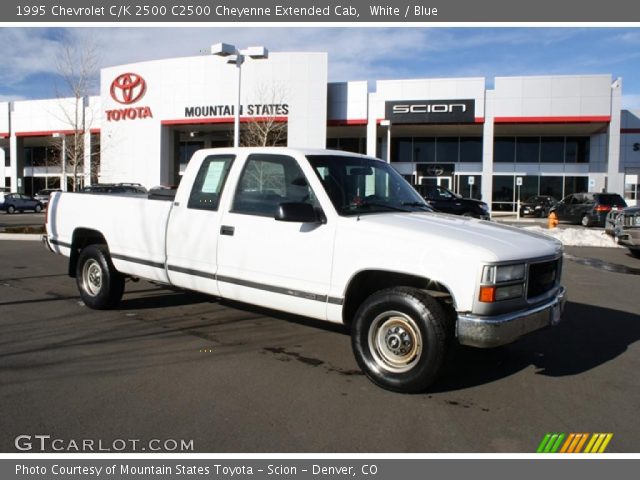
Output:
x=136 y=234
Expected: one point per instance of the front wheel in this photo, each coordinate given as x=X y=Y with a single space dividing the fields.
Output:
x=11 y=209
x=38 y=209
x=399 y=339
x=101 y=286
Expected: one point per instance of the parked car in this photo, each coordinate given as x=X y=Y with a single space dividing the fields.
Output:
x=43 y=195
x=17 y=202
x=443 y=200
x=624 y=225
x=588 y=209
x=538 y=205
x=115 y=188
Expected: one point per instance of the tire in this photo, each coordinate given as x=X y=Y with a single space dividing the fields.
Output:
x=38 y=209
x=100 y=285
x=11 y=209
x=411 y=317
x=584 y=221
x=635 y=252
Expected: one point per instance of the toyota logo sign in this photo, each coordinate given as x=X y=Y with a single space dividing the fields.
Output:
x=128 y=88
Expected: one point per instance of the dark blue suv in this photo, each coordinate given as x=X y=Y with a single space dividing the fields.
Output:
x=588 y=209
x=17 y=202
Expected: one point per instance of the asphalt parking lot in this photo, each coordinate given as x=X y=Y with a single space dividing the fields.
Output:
x=232 y=378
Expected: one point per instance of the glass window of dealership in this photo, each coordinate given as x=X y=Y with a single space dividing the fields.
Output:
x=434 y=159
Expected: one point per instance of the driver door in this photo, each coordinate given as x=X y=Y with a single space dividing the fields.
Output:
x=285 y=265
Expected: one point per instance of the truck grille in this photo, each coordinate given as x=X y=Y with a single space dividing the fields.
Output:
x=542 y=277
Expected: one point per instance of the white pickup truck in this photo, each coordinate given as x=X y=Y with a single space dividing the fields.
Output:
x=328 y=235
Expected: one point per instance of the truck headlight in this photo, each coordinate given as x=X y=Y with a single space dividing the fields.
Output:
x=495 y=276
x=511 y=291
x=503 y=273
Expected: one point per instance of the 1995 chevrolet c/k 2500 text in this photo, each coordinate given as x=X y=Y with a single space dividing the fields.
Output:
x=328 y=235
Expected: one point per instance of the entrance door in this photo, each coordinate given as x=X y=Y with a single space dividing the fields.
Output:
x=444 y=182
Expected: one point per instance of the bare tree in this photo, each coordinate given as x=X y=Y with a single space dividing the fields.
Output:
x=265 y=128
x=77 y=66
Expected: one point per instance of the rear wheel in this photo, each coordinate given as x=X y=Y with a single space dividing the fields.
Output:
x=584 y=221
x=399 y=339
x=101 y=286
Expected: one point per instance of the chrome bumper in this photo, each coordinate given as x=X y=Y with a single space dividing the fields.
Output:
x=487 y=332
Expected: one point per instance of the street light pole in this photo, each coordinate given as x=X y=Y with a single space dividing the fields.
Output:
x=237 y=57
x=236 y=118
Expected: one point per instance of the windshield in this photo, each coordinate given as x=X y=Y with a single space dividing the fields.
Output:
x=358 y=185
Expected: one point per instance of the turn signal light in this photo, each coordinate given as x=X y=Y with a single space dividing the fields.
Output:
x=488 y=294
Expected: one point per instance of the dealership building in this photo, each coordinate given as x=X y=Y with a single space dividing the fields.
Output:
x=498 y=139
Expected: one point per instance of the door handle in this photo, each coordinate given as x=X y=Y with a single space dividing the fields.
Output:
x=227 y=230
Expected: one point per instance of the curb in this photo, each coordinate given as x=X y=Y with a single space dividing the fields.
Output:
x=33 y=237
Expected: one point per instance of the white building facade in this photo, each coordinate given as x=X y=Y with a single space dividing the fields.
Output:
x=523 y=136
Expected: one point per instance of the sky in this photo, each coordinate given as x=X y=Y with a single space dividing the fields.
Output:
x=29 y=66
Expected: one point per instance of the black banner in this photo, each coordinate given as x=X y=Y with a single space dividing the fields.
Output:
x=313 y=11
x=315 y=469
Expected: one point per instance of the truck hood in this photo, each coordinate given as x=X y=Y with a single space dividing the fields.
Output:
x=490 y=240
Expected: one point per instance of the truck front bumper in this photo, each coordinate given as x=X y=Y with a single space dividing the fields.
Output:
x=493 y=331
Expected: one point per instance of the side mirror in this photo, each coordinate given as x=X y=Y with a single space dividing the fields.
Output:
x=298 y=212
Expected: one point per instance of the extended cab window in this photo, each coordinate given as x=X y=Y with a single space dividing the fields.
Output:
x=205 y=194
x=269 y=180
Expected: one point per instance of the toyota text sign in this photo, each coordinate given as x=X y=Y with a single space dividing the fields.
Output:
x=127 y=89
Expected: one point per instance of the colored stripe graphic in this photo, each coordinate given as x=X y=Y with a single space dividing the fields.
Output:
x=574 y=443
x=550 y=443
x=598 y=443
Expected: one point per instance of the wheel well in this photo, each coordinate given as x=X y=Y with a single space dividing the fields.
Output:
x=368 y=282
x=82 y=237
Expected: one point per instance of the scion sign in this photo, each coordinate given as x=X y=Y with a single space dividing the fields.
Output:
x=430 y=111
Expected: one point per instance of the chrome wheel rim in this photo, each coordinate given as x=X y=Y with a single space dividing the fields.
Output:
x=92 y=277
x=395 y=342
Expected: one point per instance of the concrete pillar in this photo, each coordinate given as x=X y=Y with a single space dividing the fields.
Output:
x=615 y=178
x=372 y=126
x=16 y=170
x=487 y=149
x=2 y=169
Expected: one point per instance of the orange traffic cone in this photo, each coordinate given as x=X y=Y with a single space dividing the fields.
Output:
x=553 y=220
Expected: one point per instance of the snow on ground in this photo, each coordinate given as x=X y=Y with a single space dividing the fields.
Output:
x=577 y=237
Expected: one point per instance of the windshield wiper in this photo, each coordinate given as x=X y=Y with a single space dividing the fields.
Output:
x=381 y=205
x=416 y=204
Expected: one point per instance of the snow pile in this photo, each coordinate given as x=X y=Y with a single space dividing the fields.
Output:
x=577 y=237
